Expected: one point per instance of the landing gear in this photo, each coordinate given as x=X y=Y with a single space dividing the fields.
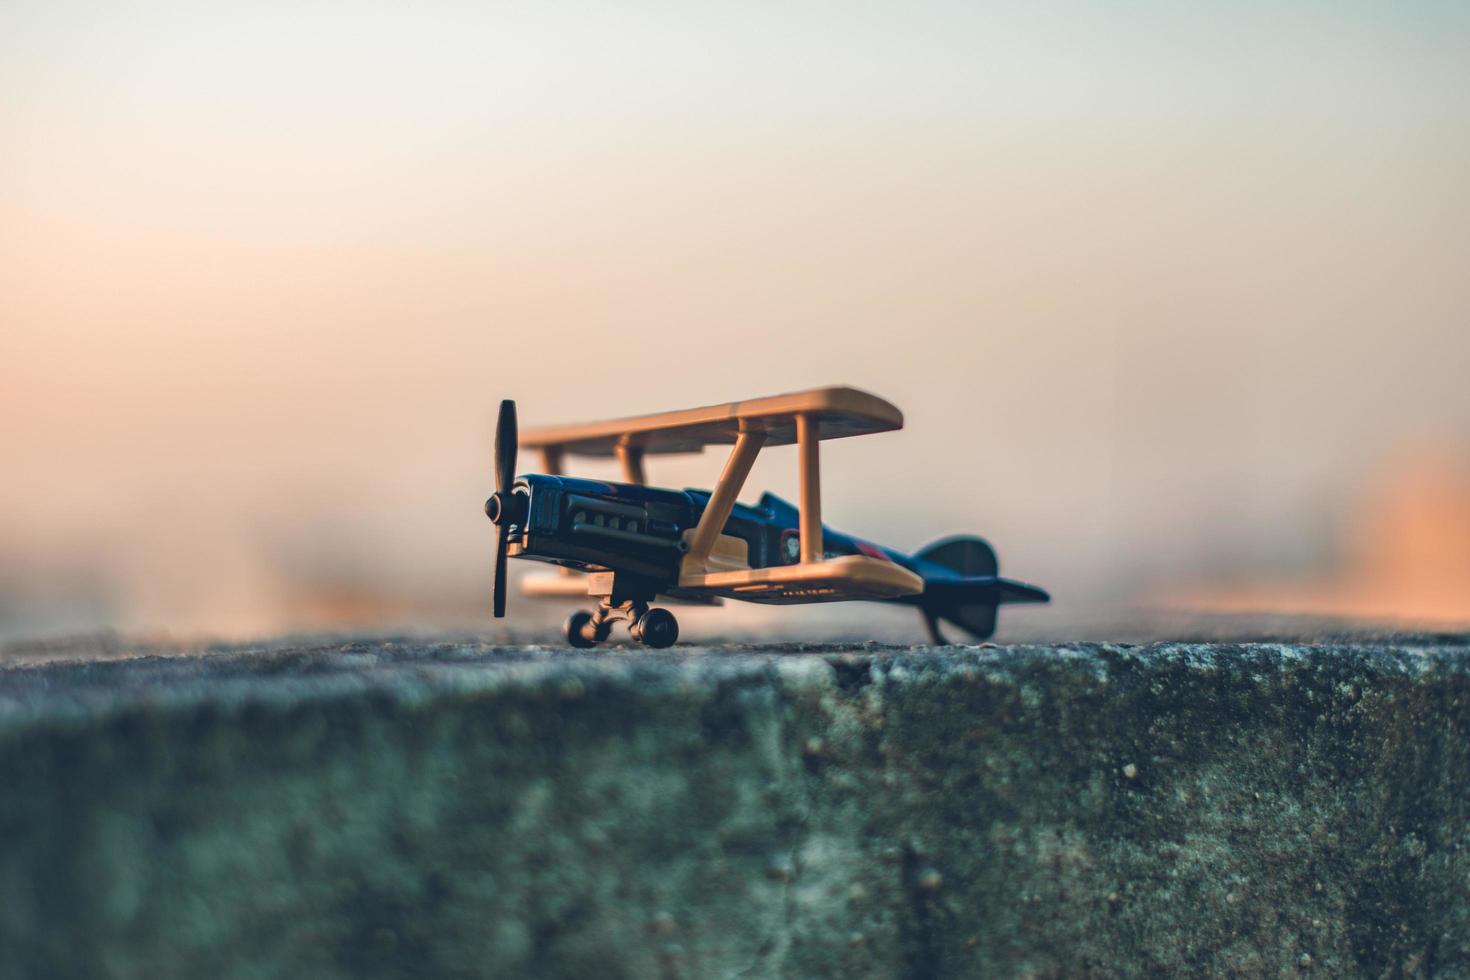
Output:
x=580 y=631
x=656 y=628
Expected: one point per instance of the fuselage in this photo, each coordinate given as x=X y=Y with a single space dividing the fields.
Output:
x=596 y=525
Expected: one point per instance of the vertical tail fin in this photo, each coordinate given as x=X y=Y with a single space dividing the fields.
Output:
x=970 y=599
x=963 y=553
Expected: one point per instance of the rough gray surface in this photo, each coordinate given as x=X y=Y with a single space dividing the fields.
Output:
x=417 y=808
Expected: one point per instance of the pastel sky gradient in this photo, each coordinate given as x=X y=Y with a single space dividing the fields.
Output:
x=1158 y=285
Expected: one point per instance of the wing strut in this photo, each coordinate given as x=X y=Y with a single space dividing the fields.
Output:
x=808 y=441
x=631 y=458
x=722 y=500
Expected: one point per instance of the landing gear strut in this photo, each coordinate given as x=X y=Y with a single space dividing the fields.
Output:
x=656 y=628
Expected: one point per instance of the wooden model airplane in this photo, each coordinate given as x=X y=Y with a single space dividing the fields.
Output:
x=637 y=542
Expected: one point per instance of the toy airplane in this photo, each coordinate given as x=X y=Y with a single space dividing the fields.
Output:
x=638 y=542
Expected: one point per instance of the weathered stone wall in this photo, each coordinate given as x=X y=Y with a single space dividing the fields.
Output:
x=408 y=808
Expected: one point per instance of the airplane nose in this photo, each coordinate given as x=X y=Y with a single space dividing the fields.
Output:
x=506 y=508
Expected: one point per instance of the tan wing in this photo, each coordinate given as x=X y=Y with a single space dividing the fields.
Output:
x=838 y=411
x=712 y=566
x=833 y=580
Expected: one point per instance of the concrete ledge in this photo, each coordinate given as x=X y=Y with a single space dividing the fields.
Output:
x=390 y=808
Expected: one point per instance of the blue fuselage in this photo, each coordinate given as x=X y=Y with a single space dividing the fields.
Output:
x=594 y=525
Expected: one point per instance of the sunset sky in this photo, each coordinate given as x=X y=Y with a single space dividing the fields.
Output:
x=1159 y=286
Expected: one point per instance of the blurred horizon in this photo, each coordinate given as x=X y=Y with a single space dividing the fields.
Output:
x=1173 y=297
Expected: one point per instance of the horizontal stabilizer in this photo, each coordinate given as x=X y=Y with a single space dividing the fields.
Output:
x=980 y=589
x=971 y=602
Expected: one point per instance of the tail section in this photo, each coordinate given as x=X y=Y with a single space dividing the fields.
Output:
x=962 y=553
x=970 y=597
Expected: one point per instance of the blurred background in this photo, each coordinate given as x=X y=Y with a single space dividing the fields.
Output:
x=1175 y=297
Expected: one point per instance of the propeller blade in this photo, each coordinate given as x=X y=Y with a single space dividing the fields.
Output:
x=506 y=441
x=502 y=539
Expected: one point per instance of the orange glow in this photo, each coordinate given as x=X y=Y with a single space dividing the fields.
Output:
x=1406 y=548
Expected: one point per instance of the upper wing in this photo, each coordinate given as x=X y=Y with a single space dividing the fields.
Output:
x=840 y=411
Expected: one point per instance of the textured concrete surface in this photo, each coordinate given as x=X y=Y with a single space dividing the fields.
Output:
x=412 y=807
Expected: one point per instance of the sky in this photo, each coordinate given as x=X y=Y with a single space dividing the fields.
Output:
x=1160 y=287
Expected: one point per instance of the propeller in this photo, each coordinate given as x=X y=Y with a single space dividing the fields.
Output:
x=500 y=507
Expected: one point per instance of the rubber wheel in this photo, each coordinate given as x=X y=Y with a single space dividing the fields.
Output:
x=658 y=628
x=572 y=629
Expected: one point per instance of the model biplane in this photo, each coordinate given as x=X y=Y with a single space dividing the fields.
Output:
x=626 y=544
